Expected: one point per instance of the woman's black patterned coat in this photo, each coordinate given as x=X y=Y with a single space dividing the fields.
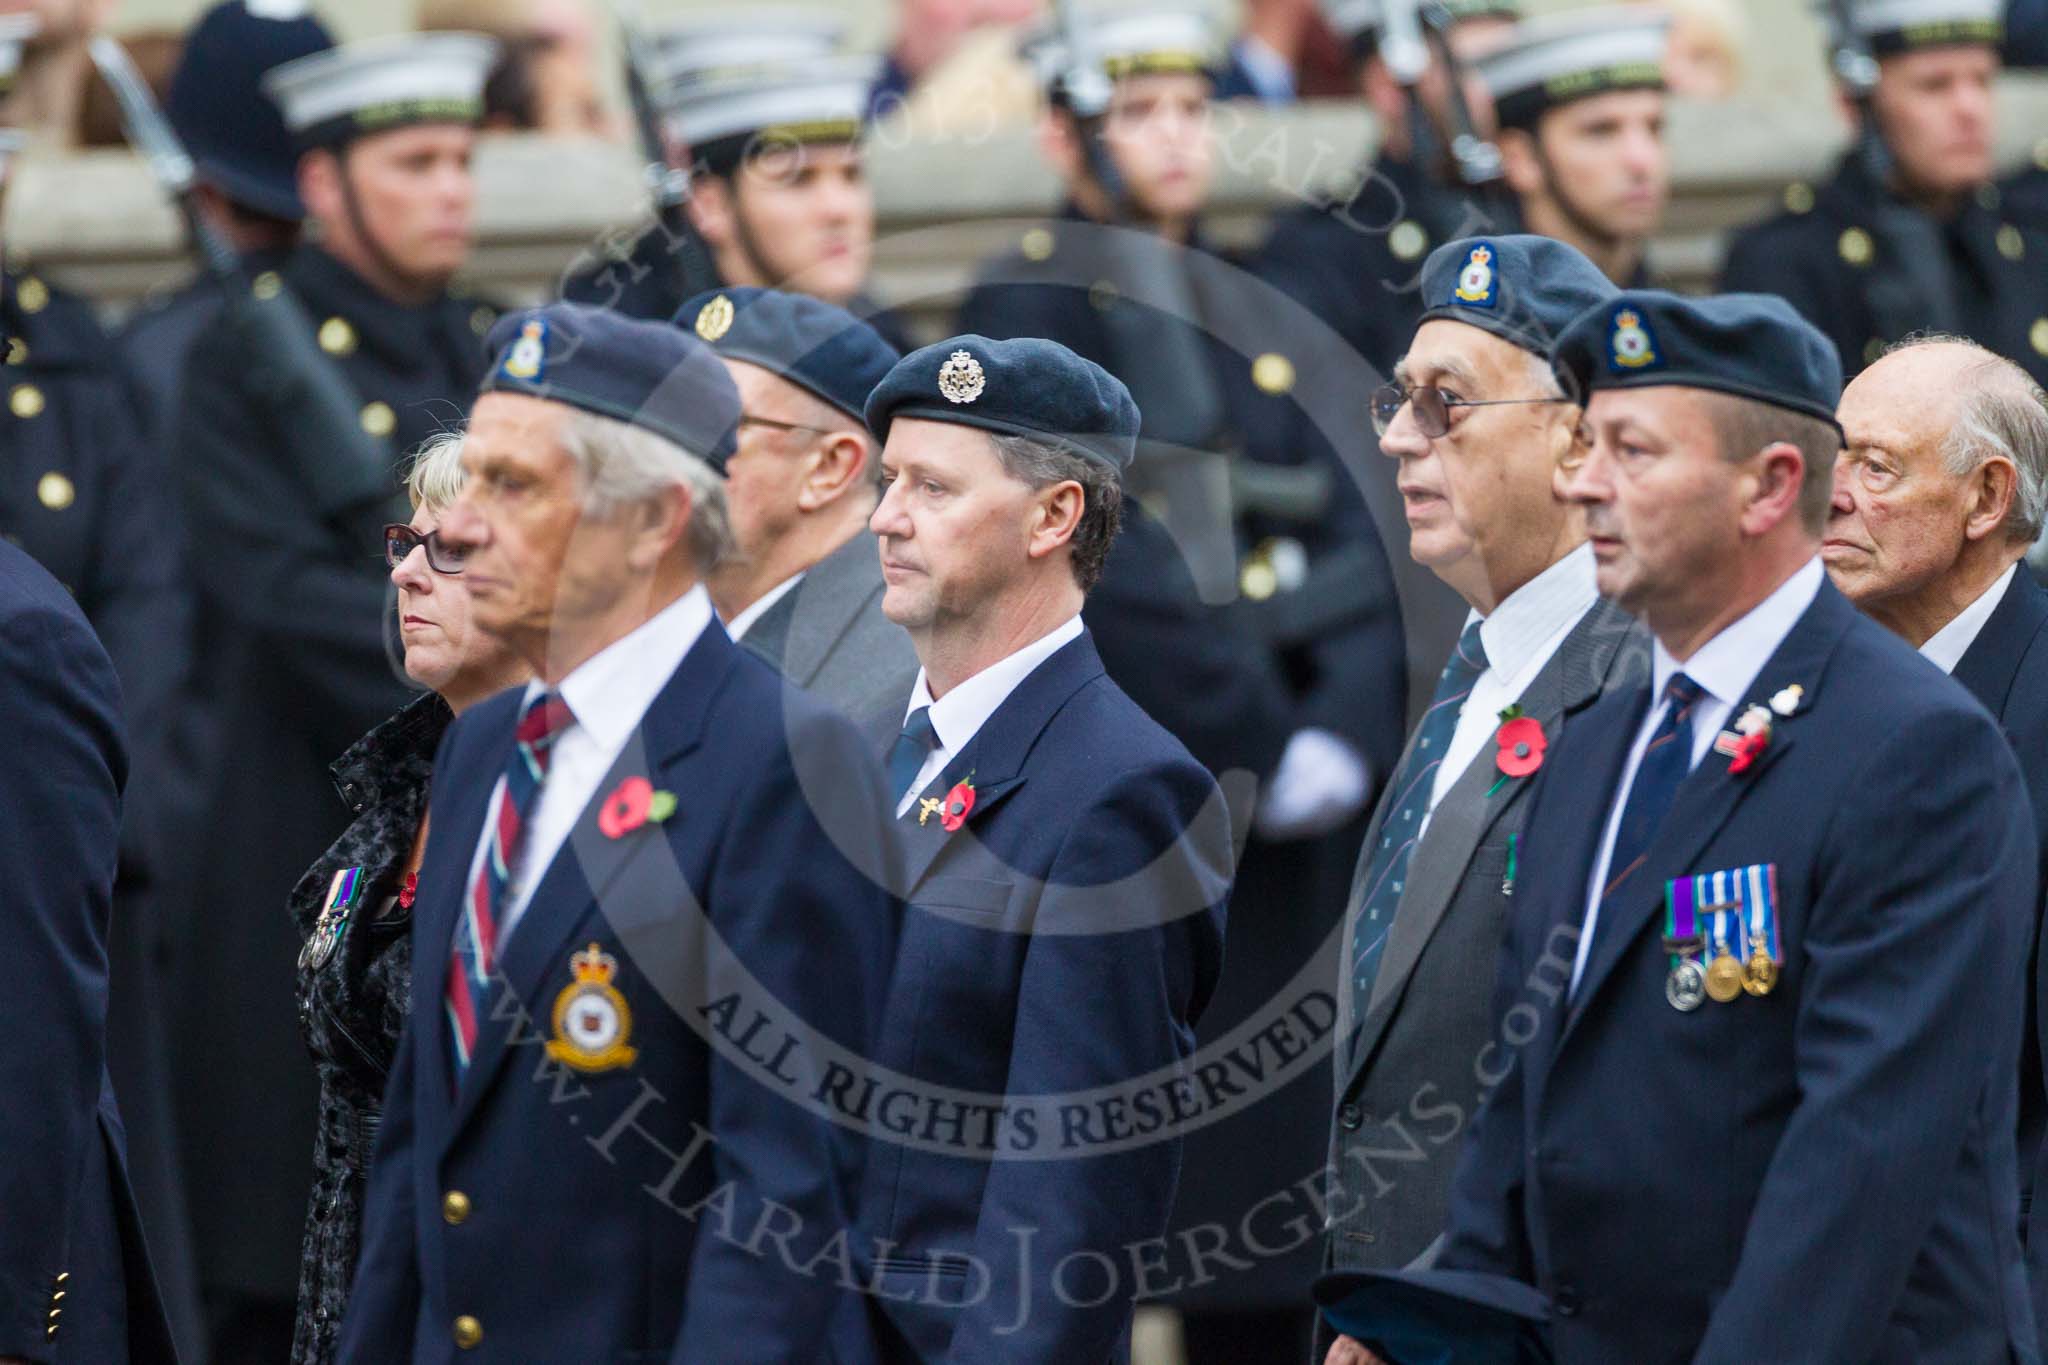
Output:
x=355 y=986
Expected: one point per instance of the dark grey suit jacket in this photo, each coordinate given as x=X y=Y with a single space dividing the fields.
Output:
x=1429 y=1044
x=828 y=636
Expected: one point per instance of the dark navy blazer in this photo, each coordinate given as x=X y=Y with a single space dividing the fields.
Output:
x=598 y=1226
x=75 y=1282
x=1066 y=938
x=1824 y=1173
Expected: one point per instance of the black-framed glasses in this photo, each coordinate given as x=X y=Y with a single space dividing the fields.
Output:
x=1432 y=406
x=749 y=420
x=401 y=540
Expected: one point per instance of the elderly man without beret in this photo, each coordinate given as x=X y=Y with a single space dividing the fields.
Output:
x=1772 y=920
x=1066 y=864
x=632 y=858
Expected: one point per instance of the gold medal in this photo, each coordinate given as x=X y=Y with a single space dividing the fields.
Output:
x=1724 y=976
x=1760 y=974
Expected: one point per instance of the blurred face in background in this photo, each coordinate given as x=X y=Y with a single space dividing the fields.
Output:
x=1158 y=132
x=414 y=197
x=1601 y=160
x=793 y=217
x=1936 y=113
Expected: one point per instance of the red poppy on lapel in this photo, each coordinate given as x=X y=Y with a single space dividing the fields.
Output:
x=1521 y=744
x=959 y=801
x=634 y=803
x=1747 y=749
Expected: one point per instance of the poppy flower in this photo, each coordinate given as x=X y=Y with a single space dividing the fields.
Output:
x=1521 y=744
x=959 y=802
x=1746 y=752
x=625 y=810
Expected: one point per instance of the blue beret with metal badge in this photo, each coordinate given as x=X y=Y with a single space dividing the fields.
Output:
x=1522 y=288
x=815 y=345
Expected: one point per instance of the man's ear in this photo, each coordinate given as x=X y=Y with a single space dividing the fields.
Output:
x=1383 y=94
x=710 y=209
x=1056 y=516
x=1781 y=475
x=319 y=179
x=1520 y=162
x=1993 y=489
x=1059 y=143
x=656 y=523
x=839 y=463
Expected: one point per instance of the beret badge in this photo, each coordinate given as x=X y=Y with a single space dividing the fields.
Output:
x=961 y=379
x=529 y=353
x=1631 y=347
x=1476 y=281
x=714 y=319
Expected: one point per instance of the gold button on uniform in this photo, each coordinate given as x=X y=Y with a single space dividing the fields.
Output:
x=2011 y=243
x=55 y=491
x=2037 y=335
x=32 y=294
x=1856 y=247
x=17 y=351
x=378 y=419
x=480 y=319
x=1273 y=373
x=267 y=285
x=454 y=1207
x=337 y=337
x=1038 y=244
x=1799 y=197
x=1408 y=240
x=25 y=401
x=468 y=1332
x=1103 y=295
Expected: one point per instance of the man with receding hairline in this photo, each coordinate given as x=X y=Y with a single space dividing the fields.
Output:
x=1941 y=488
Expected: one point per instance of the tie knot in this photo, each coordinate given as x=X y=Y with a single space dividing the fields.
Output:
x=918 y=729
x=1471 y=651
x=1682 y=691
x=546 y=716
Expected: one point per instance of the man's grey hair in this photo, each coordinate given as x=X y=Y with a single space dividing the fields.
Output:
x=623 y=464
x=1041 y=464
x=2004 y=414
x=433 y=480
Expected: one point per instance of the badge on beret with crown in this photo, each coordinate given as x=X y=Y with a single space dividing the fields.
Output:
x=592 y=1021
x=1631 y=346
x=714 y=319
x=961 y=379
x=528 y=354
x=1477 y=283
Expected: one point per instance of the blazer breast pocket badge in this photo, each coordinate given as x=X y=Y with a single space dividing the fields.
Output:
x=1721 y=934
x=592 y=1022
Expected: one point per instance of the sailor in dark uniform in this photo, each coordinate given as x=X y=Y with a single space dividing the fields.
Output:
x=292 y=640
x=771 y=114
x=1355 y=262
x=246 y=165
x=1580 y=102
x=1320 y=711
x=1911 y=234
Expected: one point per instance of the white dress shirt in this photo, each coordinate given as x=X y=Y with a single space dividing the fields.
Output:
x=1520 y=636
x=1724 y=667
x=1947 y=646
x=959 y=715
x=744 y=621
x=608 y=694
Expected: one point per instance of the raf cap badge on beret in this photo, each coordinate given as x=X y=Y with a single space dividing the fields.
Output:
x=961 y=379
x=1632 y=348
x=528 y=354
x=714 y=319
x=1476 y=282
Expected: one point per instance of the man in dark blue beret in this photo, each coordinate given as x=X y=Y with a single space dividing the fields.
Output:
x=567 y=1107
x=803 y=586
x=1066 y=863
x=1480 y=428
x=1768 y=999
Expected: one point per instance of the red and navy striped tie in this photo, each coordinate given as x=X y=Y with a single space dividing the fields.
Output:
x=476 y=928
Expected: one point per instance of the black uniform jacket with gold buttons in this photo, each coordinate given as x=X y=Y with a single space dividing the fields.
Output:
x=297 y=656
x=85 y=495
x=1830 y=255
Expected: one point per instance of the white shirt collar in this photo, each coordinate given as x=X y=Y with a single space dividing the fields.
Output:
x=755 y=610
x=1947 y=646
x=959 y=715
x=1726 y=665
x=1550 y=602
x=609 y=692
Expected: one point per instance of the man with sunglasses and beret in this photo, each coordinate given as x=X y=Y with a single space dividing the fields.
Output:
x=1772 y=916
x=803 y=585
x=1482 y=431
x=653 y=902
